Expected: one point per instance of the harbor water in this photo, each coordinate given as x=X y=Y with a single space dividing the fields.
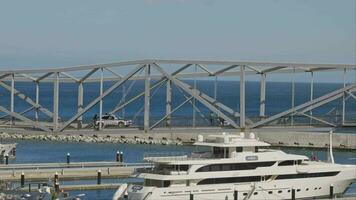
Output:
x=30 y=151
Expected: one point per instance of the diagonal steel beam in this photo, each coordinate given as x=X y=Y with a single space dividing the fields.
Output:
x=25 y=119
x=95 y=101
x=21 y=113
x=70 y=76
x=191 y=102
x=317 y=119
x=204 y=69
x=158 y=83
x=216 y=103
x=308 y=105
x=113 y=72
x=88 y=75
x=29 y=77
x=4 y=76
x=272 y=69
x=44 y=76
x=352 y=95
x=27 y=99
x=254 y=69
x=174 y=110
x=224 y=69
x=195 y=95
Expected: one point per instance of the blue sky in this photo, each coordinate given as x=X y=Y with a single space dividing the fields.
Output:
x=62 y=33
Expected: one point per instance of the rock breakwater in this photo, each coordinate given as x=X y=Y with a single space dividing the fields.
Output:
x=90 y=138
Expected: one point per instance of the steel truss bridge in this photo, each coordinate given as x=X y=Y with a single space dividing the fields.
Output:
x=155 y=73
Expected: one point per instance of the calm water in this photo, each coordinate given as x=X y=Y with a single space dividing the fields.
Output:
x=38 y=151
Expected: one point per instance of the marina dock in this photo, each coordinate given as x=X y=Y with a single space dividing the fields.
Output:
x=73 y=171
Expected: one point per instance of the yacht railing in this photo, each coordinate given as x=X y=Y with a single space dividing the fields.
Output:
x=177 y=156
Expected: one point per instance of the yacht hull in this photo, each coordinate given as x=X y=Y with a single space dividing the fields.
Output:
x=272 y=189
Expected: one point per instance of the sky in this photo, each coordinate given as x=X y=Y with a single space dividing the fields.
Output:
x=37 y=34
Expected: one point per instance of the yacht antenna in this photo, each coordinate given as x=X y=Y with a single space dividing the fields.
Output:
x=330 y=153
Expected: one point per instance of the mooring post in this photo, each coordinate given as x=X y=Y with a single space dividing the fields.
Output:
x=331 y=194
x=191 y=196
x=6 y=159
x=13 y=151
x=29 y=187
x=118 y=156
x=235 y=195
x=56 y=179
x=121 y=156
x=293 y=194
x=99 y=177
x=22 y=179
x=56 y=187
x=68 y=158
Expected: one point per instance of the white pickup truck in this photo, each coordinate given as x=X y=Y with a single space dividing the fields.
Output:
x=111 y=120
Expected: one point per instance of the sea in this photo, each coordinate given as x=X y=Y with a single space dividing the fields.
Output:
x=278 y=99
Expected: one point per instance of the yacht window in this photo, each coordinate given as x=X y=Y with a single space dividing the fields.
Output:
x=307 y=189
x=245 y=194
x=183 y=167
x=256 y=149
x=270 y=192
x=156 y=183
x=166 y=183
x=255 y=193
x=307 y=175
x=279 y=191
x=218 y=152
x=234 y=166
x=286 y=163
x=315 y=188
x=238 y=149
x=229 y=180
x=298 y=190
x=288 y=191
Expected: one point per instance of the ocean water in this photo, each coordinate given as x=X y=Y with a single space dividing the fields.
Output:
x=278 y=99
x=41 y=151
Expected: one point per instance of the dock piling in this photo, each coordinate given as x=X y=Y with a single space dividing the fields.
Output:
x=121 y=156
x=118 y=156
x=56 y=179
x=331 y=194
x=191 y=196
x=56 y=187
x=6 y=159
x=293 y=194
x=68 y=158
x=99 y=177
x=22 y=179
x=235 y=195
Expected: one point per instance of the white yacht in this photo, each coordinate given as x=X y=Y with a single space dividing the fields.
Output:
x=239 y=167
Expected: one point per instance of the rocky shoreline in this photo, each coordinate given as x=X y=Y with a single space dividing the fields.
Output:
x=90 y=139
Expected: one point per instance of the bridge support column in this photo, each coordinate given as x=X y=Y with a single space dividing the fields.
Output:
x=80 y=104
x=37 y=99
x=242 y=98
x=263 y=95
x=169 y=103
x=146 y=118
x=12 y=97
x=293 y=96
x=311 y=95
x=55 y=101
x=101 y=98
x=343 y=99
